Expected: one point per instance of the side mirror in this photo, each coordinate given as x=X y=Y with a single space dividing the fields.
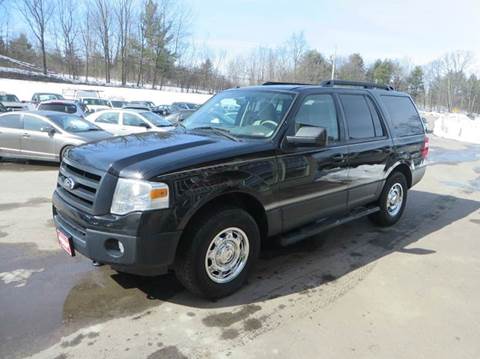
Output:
x=146 y=125
x=50 y=130
x=309 y=136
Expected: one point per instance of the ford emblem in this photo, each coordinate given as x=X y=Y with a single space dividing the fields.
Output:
x=69 y=183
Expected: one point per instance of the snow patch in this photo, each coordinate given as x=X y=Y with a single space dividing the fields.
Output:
x=458 y=127
x=18 y=277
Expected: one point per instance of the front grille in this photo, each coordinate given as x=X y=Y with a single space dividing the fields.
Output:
x=86 y=182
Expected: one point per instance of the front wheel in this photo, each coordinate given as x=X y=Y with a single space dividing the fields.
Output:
x=392 y=201
x=221 y=251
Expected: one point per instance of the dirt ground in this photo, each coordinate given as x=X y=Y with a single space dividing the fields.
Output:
x=357 y=291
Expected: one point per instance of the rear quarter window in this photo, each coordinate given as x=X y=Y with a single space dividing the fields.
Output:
x=404 y=117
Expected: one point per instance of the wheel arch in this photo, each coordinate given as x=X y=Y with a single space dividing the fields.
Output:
x=405 y=170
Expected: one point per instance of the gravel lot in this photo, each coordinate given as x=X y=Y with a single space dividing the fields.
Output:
x=410 y=291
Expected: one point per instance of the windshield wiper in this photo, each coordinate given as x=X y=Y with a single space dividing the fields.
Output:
x=217 y=130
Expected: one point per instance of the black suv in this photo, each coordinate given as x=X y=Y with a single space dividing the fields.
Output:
x=278 y=162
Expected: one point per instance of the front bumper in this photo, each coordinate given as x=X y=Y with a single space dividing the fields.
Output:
x=149 y=249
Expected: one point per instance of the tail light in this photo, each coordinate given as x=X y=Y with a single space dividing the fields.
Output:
x=425 y=147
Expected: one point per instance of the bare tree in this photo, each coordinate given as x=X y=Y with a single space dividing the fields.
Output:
x=37 y=14
x=87 y=40
x=69 y=32
x=102 y=21
x=123 y=12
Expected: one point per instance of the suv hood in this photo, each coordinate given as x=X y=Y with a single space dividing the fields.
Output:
x=149 y=154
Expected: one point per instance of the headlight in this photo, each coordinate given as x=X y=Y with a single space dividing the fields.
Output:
x=137 y=195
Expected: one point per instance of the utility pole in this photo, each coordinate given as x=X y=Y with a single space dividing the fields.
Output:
x=334 y=58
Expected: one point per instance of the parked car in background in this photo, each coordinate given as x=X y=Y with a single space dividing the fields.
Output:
x=38 y=97
x=117 y=103
x=163 y=110
x=12 y=103
x=65 y=106
x=95 y=104
x=44 y=135
x=293 y=161
x=125 y=121
x=185 y=106
x=148 y=104
x=75 y=94
x=136 y=107
x=179 y=116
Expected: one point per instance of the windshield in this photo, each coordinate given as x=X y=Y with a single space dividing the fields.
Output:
x=9 y=98
x=118 y=103
x=72 y=123
x=157 y=120
x=49 y=96
x=95 y=102
x=242 y=113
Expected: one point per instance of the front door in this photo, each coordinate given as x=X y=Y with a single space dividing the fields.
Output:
x=313 y=181
x=37 y=142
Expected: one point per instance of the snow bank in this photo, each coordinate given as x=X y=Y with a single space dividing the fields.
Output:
x=457 y=127
x=25 y=89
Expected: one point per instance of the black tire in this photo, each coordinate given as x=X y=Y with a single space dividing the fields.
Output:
x=63 y=151
x=384 y=218
x=190 y=265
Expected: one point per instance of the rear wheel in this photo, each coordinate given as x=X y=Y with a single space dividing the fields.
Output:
x=392 y=201
x=221 y=251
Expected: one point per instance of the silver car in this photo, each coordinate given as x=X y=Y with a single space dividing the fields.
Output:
x=44 y=135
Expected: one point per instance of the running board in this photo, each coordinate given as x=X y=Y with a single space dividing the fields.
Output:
x=320 y=226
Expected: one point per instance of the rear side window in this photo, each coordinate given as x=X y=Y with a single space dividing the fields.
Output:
x=360 y=119
x=10 y=121
x=403 y=115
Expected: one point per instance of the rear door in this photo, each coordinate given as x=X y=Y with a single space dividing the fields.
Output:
x=133 y=123
x=11 y=130
x=370 y=147
x=313 y=181
x=109 y=121
x=36 y=141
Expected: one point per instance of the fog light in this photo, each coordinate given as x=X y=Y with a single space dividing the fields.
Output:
x=114 y=247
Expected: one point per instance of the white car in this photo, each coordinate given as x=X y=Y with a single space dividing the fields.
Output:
x=124 y=122
x=95 y=104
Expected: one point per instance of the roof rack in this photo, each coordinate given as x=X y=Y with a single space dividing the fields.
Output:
x=271 y=83
x=366 y=85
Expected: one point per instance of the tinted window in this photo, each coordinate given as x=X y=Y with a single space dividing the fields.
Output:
x=58 y=107
x=133 y=120
x=32 y=123
x=319 y=111
x=377 y=123
x=72 y=123
x=109 y=117
x=10 y=121
x=404 y=116
x=357 y=114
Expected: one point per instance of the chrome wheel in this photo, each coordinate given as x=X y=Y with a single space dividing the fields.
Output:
x=227 y=255
x=395 y=199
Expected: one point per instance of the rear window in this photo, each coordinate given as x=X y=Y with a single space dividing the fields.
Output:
x=10 y=121
x=58 y=107
x=403 y=115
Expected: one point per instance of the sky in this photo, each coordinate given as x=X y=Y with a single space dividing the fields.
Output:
x=419 y=31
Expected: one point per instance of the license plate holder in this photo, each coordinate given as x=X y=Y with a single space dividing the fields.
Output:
x=66 y=242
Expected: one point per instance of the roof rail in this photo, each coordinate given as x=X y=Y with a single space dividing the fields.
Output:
x=271 y=83
x=366 y=85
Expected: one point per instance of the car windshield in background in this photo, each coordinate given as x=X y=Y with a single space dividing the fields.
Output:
x=58 y=107
x=51 y=96
x=118 y=103
x=9 y=98
x=95 y=102
x=156 y=119
x=72 y=123
x=242 y=113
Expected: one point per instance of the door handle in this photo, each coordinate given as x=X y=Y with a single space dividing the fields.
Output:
x=338 y=157
x=26 y=135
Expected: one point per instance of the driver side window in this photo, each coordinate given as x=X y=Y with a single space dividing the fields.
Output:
x=319 y=111
x=133 y=120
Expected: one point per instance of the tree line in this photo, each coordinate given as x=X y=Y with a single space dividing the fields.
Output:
x=148 y=43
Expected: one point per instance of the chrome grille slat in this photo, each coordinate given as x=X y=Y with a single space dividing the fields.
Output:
x=83 y=180
x=89 y=196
